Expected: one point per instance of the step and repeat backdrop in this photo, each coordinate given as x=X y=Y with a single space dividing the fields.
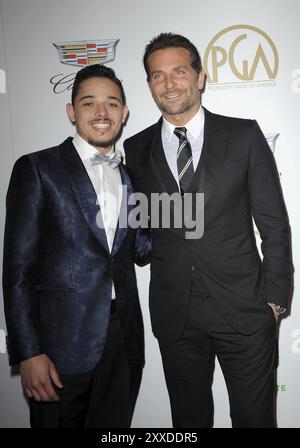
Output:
x=251 y=55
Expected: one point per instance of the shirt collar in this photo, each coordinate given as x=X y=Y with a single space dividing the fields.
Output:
x=194 y=126
x=84 y=149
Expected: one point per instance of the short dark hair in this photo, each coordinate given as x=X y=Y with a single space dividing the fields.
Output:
x=96 y=71
x=167 y=40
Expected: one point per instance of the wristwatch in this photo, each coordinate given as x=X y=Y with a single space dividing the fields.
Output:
x=279 y=309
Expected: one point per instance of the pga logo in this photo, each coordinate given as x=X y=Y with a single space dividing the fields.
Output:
x=241 y=53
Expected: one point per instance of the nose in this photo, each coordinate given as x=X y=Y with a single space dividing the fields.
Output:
x=101 y=111
x=169 y=82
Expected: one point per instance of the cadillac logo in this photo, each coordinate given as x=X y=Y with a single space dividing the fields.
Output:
x=81 y=54
x=86 y=52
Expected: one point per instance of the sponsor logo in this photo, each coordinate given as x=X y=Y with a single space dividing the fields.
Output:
x=239 y=55
x=2 y=81
x=86 y=52
x=2 y=341
x=296 y=82
x=271 y=139
x=81 y=54
x=296 y=341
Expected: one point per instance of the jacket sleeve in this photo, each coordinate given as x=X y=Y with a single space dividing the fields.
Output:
x=142 y=247
x=142 y=253
x=271 y=218
x=24 y=204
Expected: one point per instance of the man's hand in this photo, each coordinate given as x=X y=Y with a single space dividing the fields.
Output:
x=276 y=314
x=37 y=375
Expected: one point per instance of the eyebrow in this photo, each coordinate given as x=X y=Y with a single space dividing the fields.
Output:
x=88 y=97
x=175 y=68
x=185 y=67
x=114 y=98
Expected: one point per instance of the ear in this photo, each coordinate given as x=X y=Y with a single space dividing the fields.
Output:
x=201 y=79
x=71 y=113
x=125 y=114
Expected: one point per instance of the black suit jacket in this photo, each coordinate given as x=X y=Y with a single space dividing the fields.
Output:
x=58 y=271
x=239 y=179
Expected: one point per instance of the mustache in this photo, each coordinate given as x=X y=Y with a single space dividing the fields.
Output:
x=172 y=92
x=101 y=120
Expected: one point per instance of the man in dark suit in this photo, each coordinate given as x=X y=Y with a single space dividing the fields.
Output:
x=211 y=296
x=71 y=302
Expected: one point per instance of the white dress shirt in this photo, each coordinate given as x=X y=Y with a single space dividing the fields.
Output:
x=195 y=135
x=107 y=184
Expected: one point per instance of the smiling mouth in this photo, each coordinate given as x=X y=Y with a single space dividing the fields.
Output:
x=172 y=96
x=101 y=126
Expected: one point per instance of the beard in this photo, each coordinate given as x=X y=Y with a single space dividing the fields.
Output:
x=102 y=144
x=177 y=107
x=106 y=143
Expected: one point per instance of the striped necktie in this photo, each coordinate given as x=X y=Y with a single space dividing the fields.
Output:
x=184 y=160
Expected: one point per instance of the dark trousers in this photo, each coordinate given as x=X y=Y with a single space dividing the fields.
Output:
x=102 y=398
x=247 y=362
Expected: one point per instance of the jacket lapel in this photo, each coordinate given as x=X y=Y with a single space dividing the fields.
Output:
x=160 y=165
x=216 y=138
x=84 y=191
x=125 y=209
x=157 y=176
x=160 y=170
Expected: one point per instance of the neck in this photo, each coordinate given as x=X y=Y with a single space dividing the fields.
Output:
x=103 y=150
